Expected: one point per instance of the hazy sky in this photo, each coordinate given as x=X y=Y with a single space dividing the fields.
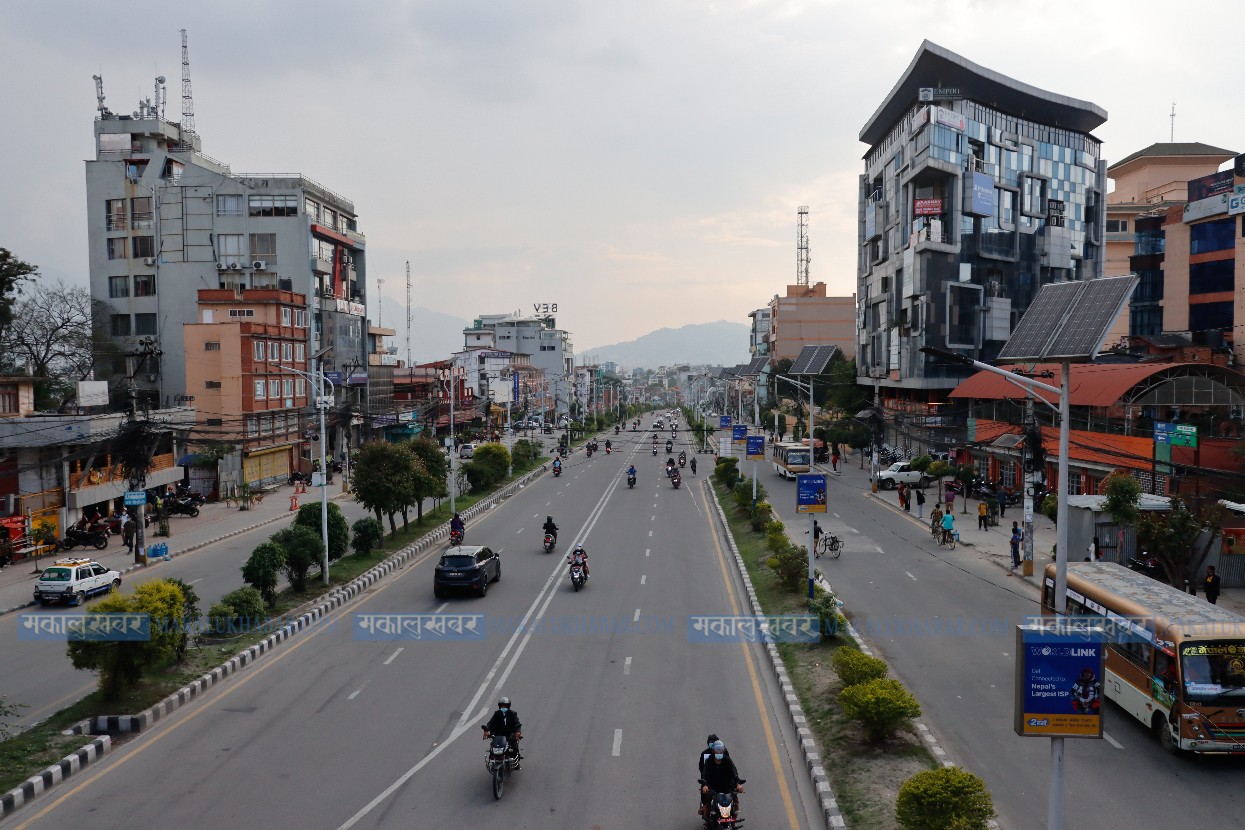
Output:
x=639 y=163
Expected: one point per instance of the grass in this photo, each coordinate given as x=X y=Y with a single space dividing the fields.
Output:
x=35 y=749
x=866 y=777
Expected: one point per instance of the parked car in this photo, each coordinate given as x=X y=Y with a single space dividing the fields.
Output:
x=467 y=451
x=466 y=566
x=74 y=579
x=901 y=472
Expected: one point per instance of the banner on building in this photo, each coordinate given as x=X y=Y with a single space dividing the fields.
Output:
x=927 y=207
x=1206 y=186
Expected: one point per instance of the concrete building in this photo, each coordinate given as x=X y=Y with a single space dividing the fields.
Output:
x=549 y=348
x=238 y=361
x=806 y=316
x=978 y=189
x=165 y=221
x=758 y=337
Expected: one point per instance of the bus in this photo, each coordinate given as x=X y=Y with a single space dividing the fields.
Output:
x=790 y=459
x=1174 y=661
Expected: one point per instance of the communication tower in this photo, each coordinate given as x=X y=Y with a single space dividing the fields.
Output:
x=408 y=316
x=801 y=246
x=188 y=104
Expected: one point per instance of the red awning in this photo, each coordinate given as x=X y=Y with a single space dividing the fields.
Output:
x=1093 y=384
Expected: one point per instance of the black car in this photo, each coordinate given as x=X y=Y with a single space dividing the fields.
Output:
x=466 y=566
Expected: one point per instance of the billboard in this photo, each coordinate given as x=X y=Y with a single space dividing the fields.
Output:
x=983 y=200
x=1059 y=672
x=927 y=207
x=949 y=118
x=1236 y=202
x=724 y=421
x=810 y=493
x=1202 y=208
x=739 y=433
x=1206 y=186
x=755 y=448
x=92 y=393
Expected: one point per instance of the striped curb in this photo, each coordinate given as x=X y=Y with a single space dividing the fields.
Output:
x=808 y=746
x=14 y=799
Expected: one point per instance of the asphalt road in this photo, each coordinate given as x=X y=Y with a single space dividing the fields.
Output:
x=331 y=731
x=39 y=675
x=945 y=621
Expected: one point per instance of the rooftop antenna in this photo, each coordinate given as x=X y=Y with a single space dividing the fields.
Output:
x=408 y=315
x=188 y=104
x=801 y=246
x=380 y=302
x=1172 y=138
x=104 y=112
x=161 y=95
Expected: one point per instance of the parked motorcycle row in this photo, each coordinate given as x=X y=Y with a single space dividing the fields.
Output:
x=95 y=532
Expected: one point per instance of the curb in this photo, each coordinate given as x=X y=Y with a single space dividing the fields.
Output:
x=11 y=801
x=808 y=746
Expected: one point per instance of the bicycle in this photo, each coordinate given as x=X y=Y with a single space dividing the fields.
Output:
x=949 y=538
x=830 y=545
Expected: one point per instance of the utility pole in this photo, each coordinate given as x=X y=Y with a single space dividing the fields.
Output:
x=138 y=476
x=1029 y=468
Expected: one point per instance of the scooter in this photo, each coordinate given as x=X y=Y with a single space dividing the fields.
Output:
x=577 y=576
x=456 y=537
x=676 y=480
x=654 y=449
x=682 y=459
x=630 y=482
x=608 y=449
x=93 y=536
x=557 y=471
x=181 y=507
x=550 y=541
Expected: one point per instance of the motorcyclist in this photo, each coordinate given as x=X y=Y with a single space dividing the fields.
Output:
x=719 y=775
x=682 y=457
x=505 y=721
x=579 y=556
x=670 y=467
x=457 y=525
x=669 y=446
x=707 y=752
x=675 y=478
x=631 y=471
x=608 y=445
x=550 y=528
x=557 y=464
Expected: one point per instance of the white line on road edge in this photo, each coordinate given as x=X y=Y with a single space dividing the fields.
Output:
x=650 y=533
x=520 y=530
x=653 y=519
x=627 y=666
x=636 y=618
x=643 y=578
x=617 y=743
x=879 y=549
x=646 y=551
x=392 y=656
x=355 y=693
x=853 y=530
x=910 y=576
x=1112 y=741
x=837 y=516
x=440 y=608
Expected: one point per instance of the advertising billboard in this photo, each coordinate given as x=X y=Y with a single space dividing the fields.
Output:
x=739 y=433
x=949 y=118
x=755 y=448
x=1236 y=202
x=1059 y=674
x=1212 y=185
x=810 y=493
x=724 y=421
x=983 y=200
x=927 y=207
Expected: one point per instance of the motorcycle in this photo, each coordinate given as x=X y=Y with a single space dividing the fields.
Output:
x=1148 y=565
x=669 y=446
x=616 y=430
x=608 y=449
x=550 y=541
x=456 y=537
x=654 y=449
x=676 y=480
x=500 y=761
x=630 y=482
x=722 y=810
x=183 y=507
x=588 y=450
x=577 y=576
x=114 y=522
x=682 y=459
x=194 y=496
x=557 y=471
x=94 y=536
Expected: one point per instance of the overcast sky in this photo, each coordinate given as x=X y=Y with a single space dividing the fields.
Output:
x=639 y=163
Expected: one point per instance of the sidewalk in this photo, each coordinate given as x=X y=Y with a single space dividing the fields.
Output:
x=994 y=544
x=214 y=522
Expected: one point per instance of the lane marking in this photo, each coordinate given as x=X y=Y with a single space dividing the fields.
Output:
x=650 y=533
x=646 y=551
x=617 y=743
x=653 y=519
x=636 y=618
x=643 y=578
x=837 y=516
x=355 y=693
x=910 y=576
x=627 y=666
x=853 y=530
x=392 y=656
x=879 y=549
x=520 y=530
x=1112 y=741
x=440 y=608
x=193 y=581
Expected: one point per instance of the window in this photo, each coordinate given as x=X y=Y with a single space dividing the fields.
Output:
x=116 y=248
x=264 y=246
x=274 y=350
x=144 y=285
x=242 y=312
x=260 y=389
x=258 y=349
x=232 y=249
x=312 y=208
x=265 y=425
x=1208 y=316
x=252 y=427
x=140 y=212
x=229 y=204
x=287 y=387
x=273 y=205
x=274 y=388
x=287 y=315
x=330 y=217
x=134 y=170
x=1117 y=226
x=287 y=352
x=300 y=320
x=211 y=346
x=211 y=384
x=120 y=325
x=144 y=324
x=1033 y=193
x=1205 y=237
x=118 y=287
x=1074 y=484
x=8 y=399
x=114 y=213
x=215 y=422
x=300 y=352
x=300 y=388
x=143 y=246
x=1212 y=277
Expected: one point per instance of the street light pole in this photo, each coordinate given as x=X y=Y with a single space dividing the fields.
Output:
x=318 y=367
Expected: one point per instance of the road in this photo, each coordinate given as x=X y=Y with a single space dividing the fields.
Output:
x=335 y=732
x=945 y=622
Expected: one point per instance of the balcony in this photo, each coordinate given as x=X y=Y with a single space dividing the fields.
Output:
x=88 y=487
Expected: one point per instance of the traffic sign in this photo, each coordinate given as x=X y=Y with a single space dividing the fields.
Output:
x=135 y=498
x=1178 y=435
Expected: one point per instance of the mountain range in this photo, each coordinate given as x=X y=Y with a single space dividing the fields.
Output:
x=436 y=335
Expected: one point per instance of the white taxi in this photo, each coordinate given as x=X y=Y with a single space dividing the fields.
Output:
x=73 y=580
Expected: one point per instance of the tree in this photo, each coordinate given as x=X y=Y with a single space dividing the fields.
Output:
x=1123 y=494
x=938 y=470
x=121 y=663
x=190 y=616
x=1180 y=540
x=843 y=393
x=51 y=333
x=368 y=535
x=309 y=516
x=495 y=458
x=303 y=551
x=13 y=272
x=382 y=479
x=429 y=474
x=262 y=570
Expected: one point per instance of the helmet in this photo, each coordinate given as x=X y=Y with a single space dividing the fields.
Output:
x=505 y=701
x=718 y=746
x=579 y=547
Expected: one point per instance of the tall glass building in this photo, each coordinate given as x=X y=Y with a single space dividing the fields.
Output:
x=978 y=189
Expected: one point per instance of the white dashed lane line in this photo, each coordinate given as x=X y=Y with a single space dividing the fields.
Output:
x=627 y=666
x=392 y=656
x=617 y=743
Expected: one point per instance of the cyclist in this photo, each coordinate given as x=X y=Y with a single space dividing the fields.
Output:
x=948 y=527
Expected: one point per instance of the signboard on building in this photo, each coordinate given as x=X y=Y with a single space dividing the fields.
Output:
x=1178 y=435
x=810 y=493
x=1204 y=208
x=927 y=207
x=949 y=118
x=755 y=450
x=514 y=386
x=92 y=393
x=1206 y=186
x=357 y=379
x=983 y=200
x=1238 y=166
x=1059 y=674
x=334 y=378
x=1055 y=212
x=939 y=93
x=389 y=360
x=919 y=119
x=135 y=498
x=1236 y=202
x=739 y=433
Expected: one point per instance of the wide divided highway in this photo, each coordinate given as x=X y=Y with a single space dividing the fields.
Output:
x=333 y=731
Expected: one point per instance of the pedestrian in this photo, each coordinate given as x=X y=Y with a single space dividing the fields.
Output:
x=1095 y=552
x=1018 y=536
x=902 y=492
x=834 y=458
x=950 y=499
x=983 y=516
x=920 y=504
x=1210 y=585
x=1002 y=497
x=128 y=529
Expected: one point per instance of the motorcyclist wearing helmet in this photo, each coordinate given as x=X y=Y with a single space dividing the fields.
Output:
x=550 y=528
x=707 y=752
x=608 y=445
x=505 y=721
x=631 y=471
x=557 y=463
x=719 y=774
x=578 y=556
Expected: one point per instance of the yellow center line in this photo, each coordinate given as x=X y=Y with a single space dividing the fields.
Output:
x=771 y=744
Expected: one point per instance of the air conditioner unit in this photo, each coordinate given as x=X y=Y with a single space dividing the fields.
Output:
x=220 y=266
x=149 y=260
x=259 y=265
x=347 y=260
x=235 y=266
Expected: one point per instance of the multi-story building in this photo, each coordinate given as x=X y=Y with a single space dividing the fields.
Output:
x=978 y=189
x=548 y=346
x=758 y=336
x=164 y=221
x=806 y=316
x=243 y=360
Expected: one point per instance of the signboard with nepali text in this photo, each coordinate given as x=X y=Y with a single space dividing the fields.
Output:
x=1059 y=676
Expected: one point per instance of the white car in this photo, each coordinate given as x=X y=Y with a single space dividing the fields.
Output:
x=73 y=580
x=467 y=451
x=902 y=472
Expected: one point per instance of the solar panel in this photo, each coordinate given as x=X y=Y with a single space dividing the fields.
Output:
x=755 y=366
x=812 y=360
x=1069 y=320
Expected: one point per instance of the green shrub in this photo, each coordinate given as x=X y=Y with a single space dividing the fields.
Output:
x=947 y=797
x=121 y=663
x=262 y=570
x=790 y=565
x=246 y=603
x=826 y=607
x=304 y=550
x=854 y=667
x=742 y=493
x=220 y=619
x=190 y=615
x=761 y=516
x=368 y=534
x=881 y=706
x=776 y=536
x=726 y=471
x=309 y=516
x=495 y=458
x=479 y=476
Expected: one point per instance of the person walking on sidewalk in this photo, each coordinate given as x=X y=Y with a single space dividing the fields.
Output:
x=1018 y=536
x=920 y=503
x=983 y=516
x=1210 y=585
x=950 y=499
x=1001 y=495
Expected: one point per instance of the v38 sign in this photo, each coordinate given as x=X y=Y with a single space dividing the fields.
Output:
x=545 y=308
